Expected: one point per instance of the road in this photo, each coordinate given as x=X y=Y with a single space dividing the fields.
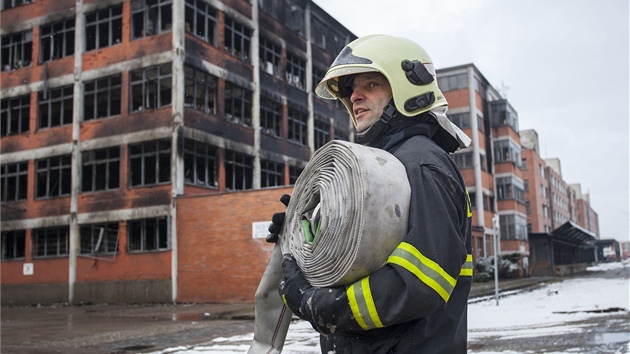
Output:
x=154 y=328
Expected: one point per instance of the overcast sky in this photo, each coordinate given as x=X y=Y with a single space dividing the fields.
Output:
x=562 y=64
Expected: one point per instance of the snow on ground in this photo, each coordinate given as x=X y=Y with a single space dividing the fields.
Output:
x=551 y=309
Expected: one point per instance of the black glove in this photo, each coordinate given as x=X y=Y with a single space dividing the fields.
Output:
x=277 y=220
x=295 y=289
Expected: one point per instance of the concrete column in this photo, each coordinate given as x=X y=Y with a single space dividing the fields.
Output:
x=74 y=241
x=256 y=94
x=177 y=161
x=309 y=79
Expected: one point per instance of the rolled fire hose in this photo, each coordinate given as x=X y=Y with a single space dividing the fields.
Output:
x=348 y=212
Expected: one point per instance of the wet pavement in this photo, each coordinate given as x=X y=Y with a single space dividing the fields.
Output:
x=120 y=329
x=123 y=329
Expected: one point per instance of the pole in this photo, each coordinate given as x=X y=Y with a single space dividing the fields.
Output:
x=496 y=258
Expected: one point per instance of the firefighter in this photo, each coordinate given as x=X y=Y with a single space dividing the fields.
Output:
x=417 y=302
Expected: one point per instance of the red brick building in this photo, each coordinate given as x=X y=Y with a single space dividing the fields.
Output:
x=115 y=112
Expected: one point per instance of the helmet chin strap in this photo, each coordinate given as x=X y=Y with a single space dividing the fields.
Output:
x=374 y=131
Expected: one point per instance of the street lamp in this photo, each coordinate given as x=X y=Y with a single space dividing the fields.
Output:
x=495 y=231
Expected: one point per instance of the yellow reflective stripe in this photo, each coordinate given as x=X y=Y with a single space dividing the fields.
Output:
x=362 y=305
x=425 y=269
x=354 y=306
x=468 y=204
x=467 y=267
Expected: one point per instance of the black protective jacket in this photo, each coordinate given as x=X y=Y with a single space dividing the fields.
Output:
x=417 y=302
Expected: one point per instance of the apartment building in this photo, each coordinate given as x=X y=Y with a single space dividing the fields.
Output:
x=491 y=166
x=584 y=214
x=116 y=112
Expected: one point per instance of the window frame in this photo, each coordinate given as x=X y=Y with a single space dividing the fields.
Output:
x=18 y=46
x=61 y=32
x=298 y=127
x=57 y=170
x=13 y=245
x=157 y=150
x=18 y=174
x=161 y=238
x=295 y=71
x=100 y=170
x=150 y=85
x=16 y=115
x=239 y=171
x=14 y=3
x=88 y=232
x=105 y=91
x=270 y=53
x=55 y=107
x=146 y=10
x=199 y=85
x=237 y=98
x=237 y=36
x=321 y=129
x=197 y=153
x=271 y=173
x=107 y=27
x=51 y=235
x=270 y=117
x=294 y=173
x=200 y=11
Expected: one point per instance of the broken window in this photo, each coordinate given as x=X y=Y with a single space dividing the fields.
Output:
x=200 y=90
x=294 y=173
x=200 y=164
x=272 y=7
x=324 y=36
x=270 y=54
x=238 y=171
x=237 y=39
x=150 y=17
x=148 y=235
x=99 y=239
x=270 y=116
x=271 y=173
x=238 y=104
x=150 y=163
x=103 y=28
x=322 y=132
x=102 y=97
x=297 y=126
x=201 y=21
x=151 y=87
x=50 y=242
x=14 y=181
x=17 y=50
x=15 y=113
x=101 y=169
x=318 y=75
x=294 y=16
x=7 y=4
x=57 y=40
x=13 y=244
x=54 y=176
x=296 y=71
x=55 y=107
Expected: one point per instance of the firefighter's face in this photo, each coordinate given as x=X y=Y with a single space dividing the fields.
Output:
x=371 y=92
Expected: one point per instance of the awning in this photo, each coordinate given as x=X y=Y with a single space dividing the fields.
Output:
x=573 y=233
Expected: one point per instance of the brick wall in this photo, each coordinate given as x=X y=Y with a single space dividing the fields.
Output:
x=219 y=260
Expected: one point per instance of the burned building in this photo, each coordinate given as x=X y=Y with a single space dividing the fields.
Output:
x=114 y=111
